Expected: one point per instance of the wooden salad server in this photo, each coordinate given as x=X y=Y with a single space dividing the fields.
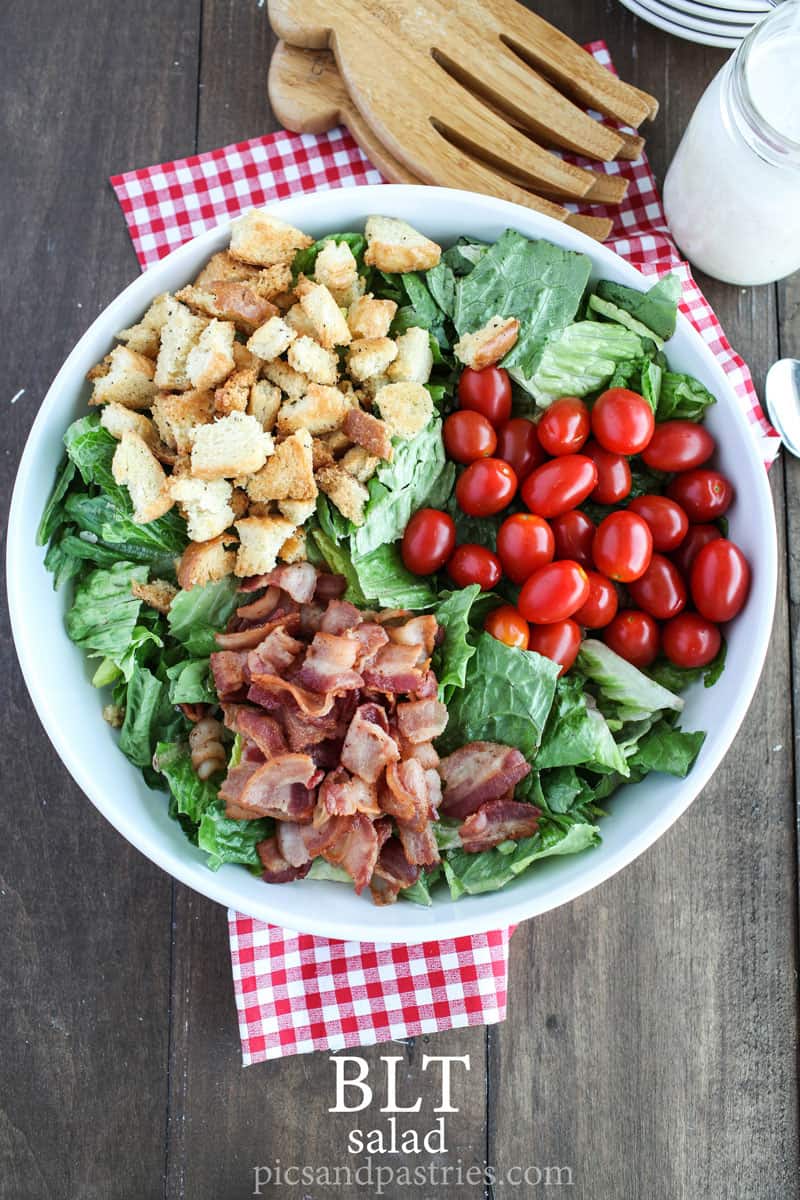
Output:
x=307 y=95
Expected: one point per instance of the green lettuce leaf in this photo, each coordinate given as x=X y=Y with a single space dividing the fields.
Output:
x=619 y=681
x=92 y=448
x=193 y=796
x=682 y=397
x=338 y=560
x=384 y=580
x=195 y=616
x=492 y=869
x=452 y=657
x=667 y=749
x=142 y=726
x=462 y=257
x=656 y=309
x=109 y=520
x=576 y=733
x=582 y=360
x=441 y=283
x=104 y=611
x=190 y=682
x=54 y=514
x=610 y=312
x=305 y=260
x=227 y=841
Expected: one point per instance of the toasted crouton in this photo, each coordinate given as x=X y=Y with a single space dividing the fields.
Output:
x=264 y=401
x=370 y=388
x=224 y=268
x=205 y=562
x=489 y=344
x=335 y=266
x=320 y=410
x=180 y=333
x=240 y=502
x=273 y=282
x=175 y=416
x=294 y=548
x=394 y=245
x=321 y=453
x=211 y=359
x=346 y=297
x=263 y=240
x=405 y=407
x=233 y=445
x=158 y=594
x=345 y=491
x=271 y=339
x=288 y=473
x=260 y=540
x=370 y=318
x=124 y=377
x=330 y=326
x=116 y=418
x=136 y=466
x=312 y=360
x=367 y=431
x=370 y=356
x=298 y=511
x=414 y=361
x=299 y=322
x=144 y=338
x=207 y=505
x=359 y=463
x=234 y=395
x=338 y=441
x=229 y=301
x=286 y=378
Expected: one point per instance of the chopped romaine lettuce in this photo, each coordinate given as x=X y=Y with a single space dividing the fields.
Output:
x=609 y=311
x=195 y=616
x=581 y=360
x=385 y=581
x=682 y=397
x=656 y=309
x=621 y=682
x=104 y=611
x=227 y=841
x=576 y=733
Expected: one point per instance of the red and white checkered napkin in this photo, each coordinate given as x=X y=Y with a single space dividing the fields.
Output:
x=295 y=992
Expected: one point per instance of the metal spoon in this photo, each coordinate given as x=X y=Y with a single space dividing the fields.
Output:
x=783 y=401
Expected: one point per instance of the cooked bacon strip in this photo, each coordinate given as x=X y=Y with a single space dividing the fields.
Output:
x=291 y=843
x=343 y=794
x=356 y=851
x=274 y=655
x=368 y=747
x=428 y=689
x=264 y=689
x=419 y=845
x=195 y=712
x=233 y=786
x=276 y=868
x=369 y=432
x=258 y=727
x=421 y=720
x=478 y=772
x=498 y=821
x=434 y=782
x=229 y=668
x=404 y=794
x=419 y=631
x=370 y=638
x=299 y=580
x=280 y=789
x=339 y=617
x=393 y=873
x=327 y=666
x=424 y=752
x=394 y=669
x=329 y=586
x=257 y=610
x=245 y=639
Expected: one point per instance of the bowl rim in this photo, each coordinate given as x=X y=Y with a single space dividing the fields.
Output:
x=466 y=916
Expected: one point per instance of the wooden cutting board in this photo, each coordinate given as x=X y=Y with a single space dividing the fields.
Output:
x=307 y=94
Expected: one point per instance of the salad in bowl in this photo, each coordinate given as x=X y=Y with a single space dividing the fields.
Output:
x=392 y=559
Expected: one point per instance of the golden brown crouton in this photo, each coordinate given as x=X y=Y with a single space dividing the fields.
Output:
x=335 y=266
x=405 y=407
x=367 y=431
x=263 y=240
x=313 y=361
x=179 y=334
x=116 y=418
x=345 y=491
x=271 y=339
x=298 y=511
x=288 y=473
x=260 y=540
x=338 y=441
x=207 y=505
x=264 y=402
x=243 y=358
x=299 y=322
x=233 y=445
x=157 y=594
x=370 y=356
x=394 y=245
x=371 y=318
x=414 y=361
x=144 y=338
x=224 y=268
x=320 y=410
x=286 y=378
x=273 y=282
x=240 y=502
x=211 y=359
x=135 y=465
x=294 y=548
x=176 y=415
x=321 y=453
x=359 y=463
x=234 y=395
x=489 y=344
x=229 y=301
x=205 y=562
x=330 y=326
x=346 y=297
x=124 y=377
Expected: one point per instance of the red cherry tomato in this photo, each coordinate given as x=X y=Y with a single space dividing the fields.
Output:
x=622 y=547
x=487 y=486
x=678 y=446
x=720 y=580
x=633 y=636
x=468 y=435
x=553 y=593
x=601 y=606
x=661 y=590
x=703 y=495
x=524 y=543
x=564 y=426
x=474 y=564
x=428 y=541
x=667 y=520
x=560 y=642
x=559 y=485
x=622 y=421
x=697 y=537
x=487 y=392
x=509 y=626
x=518 y=445
x=690 y=640
x=574 y=534
x=613 y=474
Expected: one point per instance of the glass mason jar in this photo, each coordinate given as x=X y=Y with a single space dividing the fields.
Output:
x=732 y=192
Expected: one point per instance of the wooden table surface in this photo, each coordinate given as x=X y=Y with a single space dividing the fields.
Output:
x=651 y=1043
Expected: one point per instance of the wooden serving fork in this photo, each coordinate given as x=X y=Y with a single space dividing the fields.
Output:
x=307 y=95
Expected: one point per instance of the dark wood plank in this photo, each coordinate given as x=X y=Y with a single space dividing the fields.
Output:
x=84 y=918
x=637 y=1043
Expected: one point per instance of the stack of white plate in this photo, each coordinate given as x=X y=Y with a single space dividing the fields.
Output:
x=712 y=22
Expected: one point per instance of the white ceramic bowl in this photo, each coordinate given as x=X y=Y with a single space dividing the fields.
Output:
x=58 y=677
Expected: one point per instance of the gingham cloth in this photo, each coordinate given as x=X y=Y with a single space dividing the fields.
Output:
x=296 y=992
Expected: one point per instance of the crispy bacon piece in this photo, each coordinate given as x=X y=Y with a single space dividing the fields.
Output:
x=273 y=655
x=281 y=789
x=498 y=821
x=245 y=639
x=428 y=688
x=258 y=610
x=424 y=752
x=421 y=720
x=369 y=432
x=419 y=631
x=419 y=845
x=329 y=587
x=404 y=793
x=258 y=727
x=299 y=580
x=370 y=638
x=229 y=668
x=368 y=748
x=478 y=772
x=394 y=669
x=339 y=617
x=434 y=782
x=267 y=690
x=327 y=666
x=276 y=868
x=356 y=851
x=343 y=794
x=393 y=872
x=232 y=788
